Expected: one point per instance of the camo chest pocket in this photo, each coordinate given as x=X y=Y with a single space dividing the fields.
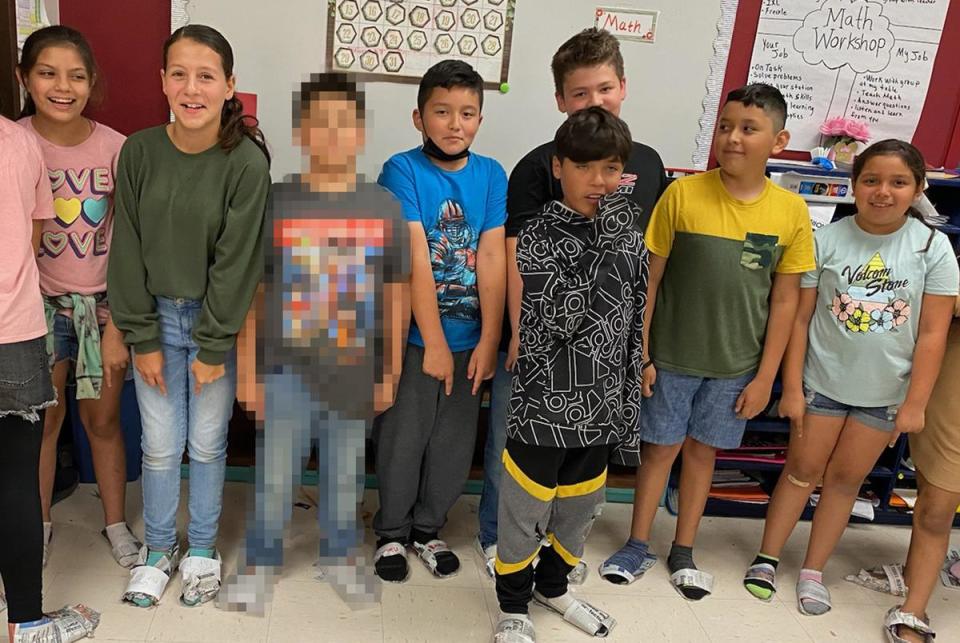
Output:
x=758 y=251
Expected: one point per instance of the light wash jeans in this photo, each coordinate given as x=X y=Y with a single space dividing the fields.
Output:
x=296 y=414
x=183 y=419
x=493 y=452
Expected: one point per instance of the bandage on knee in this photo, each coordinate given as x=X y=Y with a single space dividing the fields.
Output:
x=799 y=483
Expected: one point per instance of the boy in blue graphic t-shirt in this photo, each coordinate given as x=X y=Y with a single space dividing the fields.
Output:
x=455 y=203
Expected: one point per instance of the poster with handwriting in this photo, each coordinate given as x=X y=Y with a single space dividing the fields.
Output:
x=870 y=60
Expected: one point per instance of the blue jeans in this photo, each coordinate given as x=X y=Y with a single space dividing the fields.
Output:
x=295 y=412
x=183 y=419
x=493 y=452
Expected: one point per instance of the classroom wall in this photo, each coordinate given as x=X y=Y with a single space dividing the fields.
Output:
x=275 y=47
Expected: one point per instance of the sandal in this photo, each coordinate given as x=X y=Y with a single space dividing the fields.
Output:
x=619 y=575
x=428 y=552
x=582 y=615
x=897 y=617
x=887 y=579
x=392 y=548
x=200 y=579
x=688 y=578
x=127 y=550
x=814 y=592
x=764 y=572
x=147 y=582
x=514 y=628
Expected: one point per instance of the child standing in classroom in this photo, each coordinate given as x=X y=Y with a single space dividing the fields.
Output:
x=588 y=71
x=863 y=358
x=190 y=202
x=454 y=201
x=727 y=249
x=59 y=74
x=576 y=388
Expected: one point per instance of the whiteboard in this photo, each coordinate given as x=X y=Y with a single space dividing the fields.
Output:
x=276 y=45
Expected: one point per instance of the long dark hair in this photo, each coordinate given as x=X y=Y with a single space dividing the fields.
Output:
x=912 y=158
x=57 y=36
x=234 y=125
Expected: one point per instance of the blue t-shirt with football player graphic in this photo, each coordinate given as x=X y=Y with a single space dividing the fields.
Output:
x=455 y=208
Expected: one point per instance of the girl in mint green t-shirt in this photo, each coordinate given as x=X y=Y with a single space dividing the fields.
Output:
x=863 y=356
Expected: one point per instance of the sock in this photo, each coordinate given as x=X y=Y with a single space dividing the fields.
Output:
x=202 y=552
x=760 y=588
x=813 y=606
x=681 y=557
x=391 y=568
x=447 y=561
x=630 y=557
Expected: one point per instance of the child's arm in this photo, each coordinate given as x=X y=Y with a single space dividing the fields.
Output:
x=514 y=297
x=655 y=275
x=437 y=358
x=792 y=404
x=492 y=284
x=935 y=317
x=784 y=298
x=249 y=390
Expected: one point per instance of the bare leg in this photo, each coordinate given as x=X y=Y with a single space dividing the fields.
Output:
x=101 y=418
x=806 y=461
x=696 y=475
x=652 y=475
x=932 y=521
x=52 y=422
x=857 y=451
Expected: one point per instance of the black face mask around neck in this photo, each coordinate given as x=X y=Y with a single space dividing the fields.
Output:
x=431 y=149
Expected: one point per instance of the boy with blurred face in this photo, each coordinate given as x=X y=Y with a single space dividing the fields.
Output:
x=329 y=341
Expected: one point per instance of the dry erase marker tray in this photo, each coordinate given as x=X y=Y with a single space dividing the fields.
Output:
x=816 y=189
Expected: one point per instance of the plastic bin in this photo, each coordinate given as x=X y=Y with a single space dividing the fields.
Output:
x=129 y=424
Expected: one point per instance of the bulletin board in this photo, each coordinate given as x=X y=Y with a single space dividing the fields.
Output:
x=938 y=119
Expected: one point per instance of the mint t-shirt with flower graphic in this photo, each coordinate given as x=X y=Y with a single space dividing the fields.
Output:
x=870 y=291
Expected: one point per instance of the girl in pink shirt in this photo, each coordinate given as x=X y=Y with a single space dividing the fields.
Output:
x=59 y=75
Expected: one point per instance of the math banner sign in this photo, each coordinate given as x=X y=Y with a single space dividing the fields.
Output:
x=628 y=24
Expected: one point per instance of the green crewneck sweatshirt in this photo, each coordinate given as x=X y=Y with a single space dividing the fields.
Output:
x=186 y=226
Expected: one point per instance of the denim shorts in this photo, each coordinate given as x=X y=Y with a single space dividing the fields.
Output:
x=25 y=383
x=699 y=407
x=880 y=418
x=65 y=343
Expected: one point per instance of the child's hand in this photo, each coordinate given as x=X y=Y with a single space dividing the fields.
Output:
x=753 y=399
x=204 y=374
x=513 y=351
x=115 y=357
x=910 y=419
x=438 y=364
x=793 y=406
x=483 y=364
x=649 y=377
x=150 y=368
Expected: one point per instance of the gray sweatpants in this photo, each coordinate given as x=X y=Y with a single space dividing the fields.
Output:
x=424 y=446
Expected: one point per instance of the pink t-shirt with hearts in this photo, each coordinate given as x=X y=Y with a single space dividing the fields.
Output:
x=75 y=243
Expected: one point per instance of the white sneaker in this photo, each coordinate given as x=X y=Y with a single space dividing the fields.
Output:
x=489 y=555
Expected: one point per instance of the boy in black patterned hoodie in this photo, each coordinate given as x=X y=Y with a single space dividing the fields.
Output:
x=576 y=388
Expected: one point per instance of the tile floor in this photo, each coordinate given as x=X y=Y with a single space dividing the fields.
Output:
x=464 y=608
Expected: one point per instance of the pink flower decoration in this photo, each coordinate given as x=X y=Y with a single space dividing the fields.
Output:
x=833 y=126
x=843 y=307
x=900 y=310
x=846 y=127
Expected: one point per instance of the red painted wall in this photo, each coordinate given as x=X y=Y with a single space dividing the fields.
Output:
x=127 y=39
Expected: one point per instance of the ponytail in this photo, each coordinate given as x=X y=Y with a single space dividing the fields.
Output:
x=915 y=213
x=234 y=126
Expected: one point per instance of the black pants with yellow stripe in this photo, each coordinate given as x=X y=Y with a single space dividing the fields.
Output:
x=546 y=493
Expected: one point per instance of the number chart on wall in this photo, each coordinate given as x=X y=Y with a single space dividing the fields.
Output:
x=860 y=59
x=399 y=40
